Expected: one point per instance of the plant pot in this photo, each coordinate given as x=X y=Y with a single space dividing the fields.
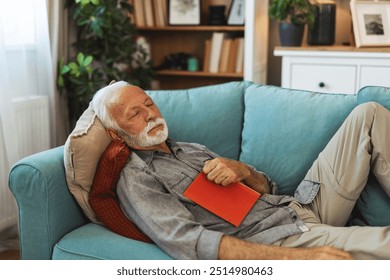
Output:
x=291 y=34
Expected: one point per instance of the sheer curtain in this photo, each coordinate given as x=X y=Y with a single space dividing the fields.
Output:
x=26 y=69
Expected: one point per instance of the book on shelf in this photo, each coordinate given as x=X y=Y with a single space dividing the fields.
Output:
x=223 y=63
x=231 y=67
x=149 y=17
x=216 y=48
x=223 y=54
x=240 y=56
x=150 y=13
x=139 y=14
x=206 y=57
x=160 y=12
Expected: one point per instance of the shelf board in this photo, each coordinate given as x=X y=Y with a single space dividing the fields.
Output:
x=198 y=74
x=194 y=28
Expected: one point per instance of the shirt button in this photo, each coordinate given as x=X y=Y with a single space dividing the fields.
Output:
x=294 y=217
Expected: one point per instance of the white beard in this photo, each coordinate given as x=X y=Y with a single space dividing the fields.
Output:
x=143 y=139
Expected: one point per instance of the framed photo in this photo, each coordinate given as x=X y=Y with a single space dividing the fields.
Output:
x=371 y=23
x=237 y=13
x=184 y=12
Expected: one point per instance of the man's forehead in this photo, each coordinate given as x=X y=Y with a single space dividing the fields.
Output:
x=130 y=97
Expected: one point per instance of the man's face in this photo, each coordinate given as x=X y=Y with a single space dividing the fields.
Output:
x=140 y=120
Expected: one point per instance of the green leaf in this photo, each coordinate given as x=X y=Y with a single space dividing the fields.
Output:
x=60 y=82
x=65 y=69
x=74 y=69
x=80 y=58
x=87 y=60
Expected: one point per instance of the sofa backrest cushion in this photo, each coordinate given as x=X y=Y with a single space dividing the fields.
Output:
x=374 y=93
x=274 y=115
x=210 y=115
x=373 y=201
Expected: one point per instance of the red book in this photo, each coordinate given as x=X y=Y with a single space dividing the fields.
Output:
x=231 y=203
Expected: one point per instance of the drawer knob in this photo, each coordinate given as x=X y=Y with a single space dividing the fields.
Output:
x=321 y=84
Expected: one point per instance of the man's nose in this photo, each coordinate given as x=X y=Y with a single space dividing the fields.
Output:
x=149 y=113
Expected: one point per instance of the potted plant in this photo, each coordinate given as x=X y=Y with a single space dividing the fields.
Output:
x=293 y=16
x=106 y=49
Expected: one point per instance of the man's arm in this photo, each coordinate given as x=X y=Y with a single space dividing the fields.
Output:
x=232 y=248
x=225 y=171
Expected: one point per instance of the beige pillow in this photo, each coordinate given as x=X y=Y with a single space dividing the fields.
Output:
x=82 y=152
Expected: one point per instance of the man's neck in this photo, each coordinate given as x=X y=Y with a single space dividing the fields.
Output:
x=163 y=147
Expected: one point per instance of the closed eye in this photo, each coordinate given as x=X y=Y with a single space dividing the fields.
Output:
x=136 y=113
x=149 y=103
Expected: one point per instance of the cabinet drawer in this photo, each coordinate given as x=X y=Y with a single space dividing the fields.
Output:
x=375 y=76
x=324 y=78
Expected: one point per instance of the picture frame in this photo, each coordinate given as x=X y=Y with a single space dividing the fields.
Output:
x=371 y=23
x=237 y=13
x=184 y=12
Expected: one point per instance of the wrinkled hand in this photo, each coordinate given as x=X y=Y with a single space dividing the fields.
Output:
x=324 y=253
x=225 y=171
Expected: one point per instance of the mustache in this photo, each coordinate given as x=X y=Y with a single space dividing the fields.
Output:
x=153 y=124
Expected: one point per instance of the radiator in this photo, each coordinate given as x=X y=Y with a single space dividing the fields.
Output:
x=32 y=126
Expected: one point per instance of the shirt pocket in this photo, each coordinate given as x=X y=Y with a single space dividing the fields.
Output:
x=178 y=184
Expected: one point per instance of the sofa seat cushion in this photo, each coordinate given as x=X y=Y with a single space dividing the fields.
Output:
x=95 y=242
x=274 y=115
x=209 y=115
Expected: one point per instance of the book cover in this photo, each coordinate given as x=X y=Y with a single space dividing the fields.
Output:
x=216 y=47
x=240 y=56
x=149 y=17
x=206 y=59
x=139 y=13
x=231 y=203
x=231 y=68
x=223 y=63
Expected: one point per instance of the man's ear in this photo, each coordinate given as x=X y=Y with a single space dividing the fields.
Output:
x=114 y=135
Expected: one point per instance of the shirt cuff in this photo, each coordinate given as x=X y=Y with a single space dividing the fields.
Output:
x=208 y=245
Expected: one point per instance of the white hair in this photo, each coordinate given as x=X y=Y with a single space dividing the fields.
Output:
x=103 y=99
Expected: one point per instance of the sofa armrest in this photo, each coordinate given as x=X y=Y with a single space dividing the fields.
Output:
x=47 y=210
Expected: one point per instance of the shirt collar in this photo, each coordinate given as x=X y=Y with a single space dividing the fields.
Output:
x=147 y=156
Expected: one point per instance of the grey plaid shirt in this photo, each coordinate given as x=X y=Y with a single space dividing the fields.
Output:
x=150 y=191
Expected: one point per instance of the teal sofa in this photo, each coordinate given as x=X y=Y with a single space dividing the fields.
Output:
x=279 y=131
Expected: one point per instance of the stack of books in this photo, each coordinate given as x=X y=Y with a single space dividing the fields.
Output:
x=149 y=13
x=223 y=54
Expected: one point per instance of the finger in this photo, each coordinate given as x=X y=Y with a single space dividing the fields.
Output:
x=223 y=177
x=208 y=166
x=214 y=174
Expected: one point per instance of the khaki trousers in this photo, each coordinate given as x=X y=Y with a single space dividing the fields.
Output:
x=361 y=145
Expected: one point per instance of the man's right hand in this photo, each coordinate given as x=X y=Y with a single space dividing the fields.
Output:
x=237 y=249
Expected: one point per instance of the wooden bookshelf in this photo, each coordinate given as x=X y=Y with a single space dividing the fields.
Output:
x=223 y=28
x=190 y=39
x=199 y=74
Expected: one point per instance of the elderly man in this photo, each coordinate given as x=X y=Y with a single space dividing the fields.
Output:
x=307 y=226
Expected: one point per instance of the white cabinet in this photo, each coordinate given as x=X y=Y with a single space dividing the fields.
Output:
x=334 y=69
